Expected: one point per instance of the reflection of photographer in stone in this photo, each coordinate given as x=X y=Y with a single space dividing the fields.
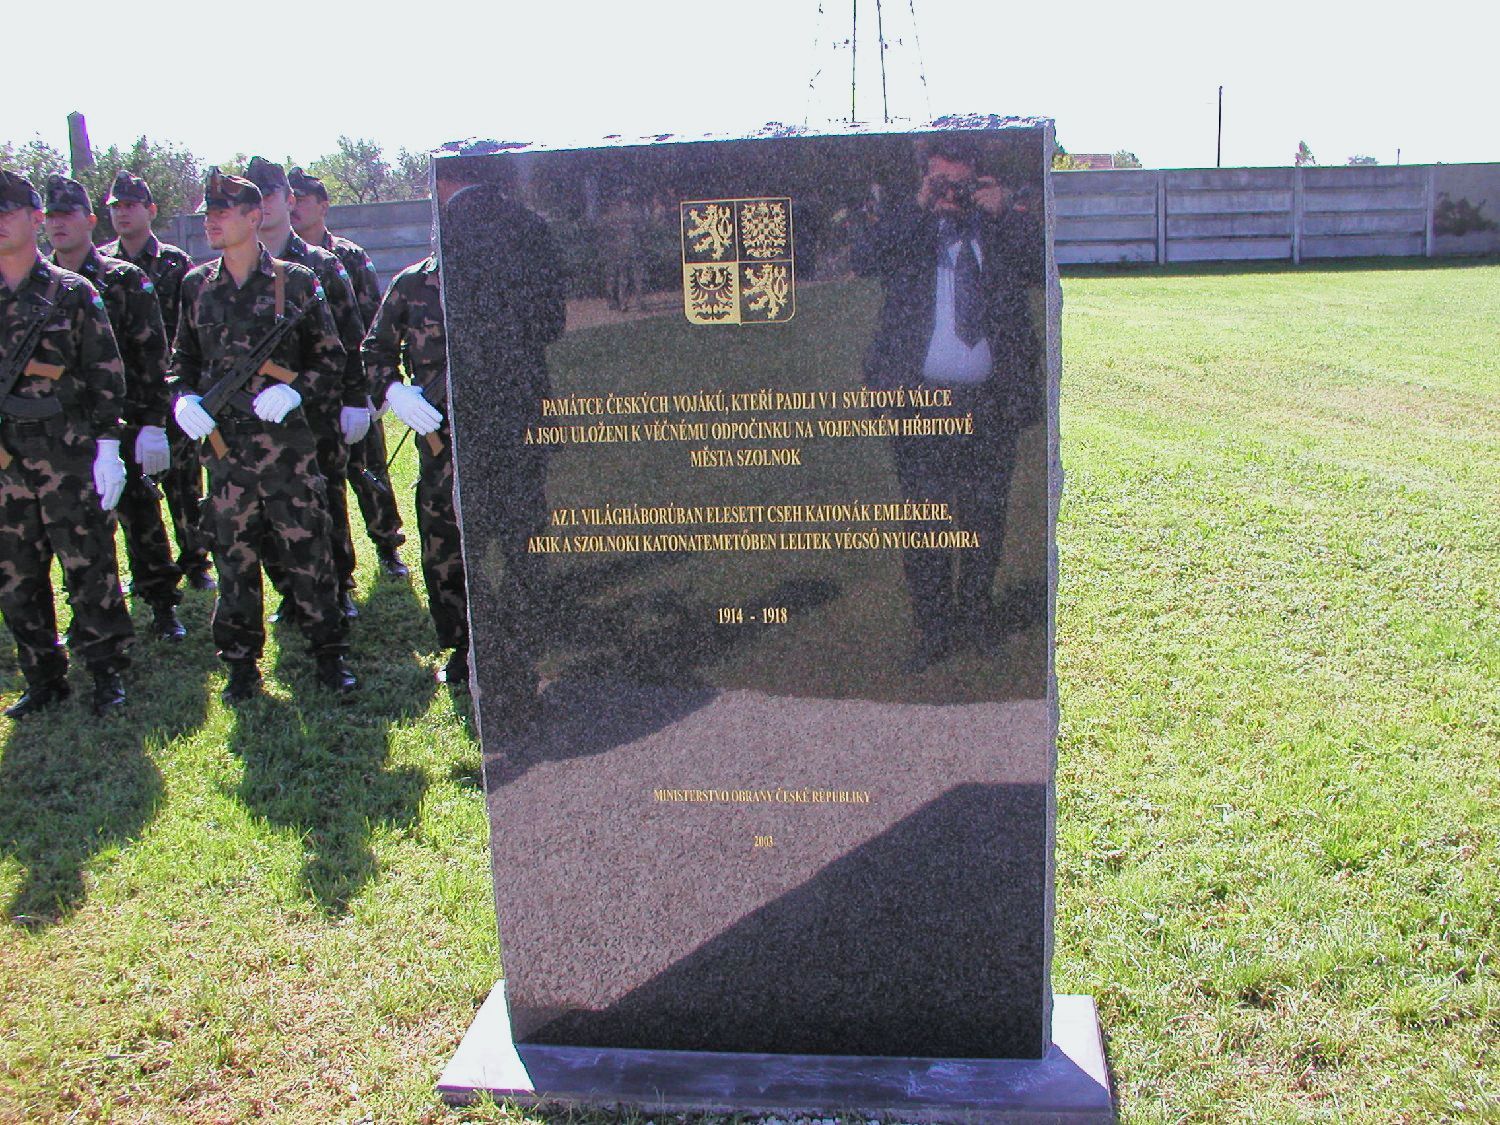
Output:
x=955 y=266
x=508 y=280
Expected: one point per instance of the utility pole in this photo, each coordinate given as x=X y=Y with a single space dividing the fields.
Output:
x=1219 y=144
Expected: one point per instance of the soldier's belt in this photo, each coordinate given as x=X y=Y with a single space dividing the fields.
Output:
x=35 y=425
x=29 y=409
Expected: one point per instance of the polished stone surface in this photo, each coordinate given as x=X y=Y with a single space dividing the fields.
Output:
x=768 y=736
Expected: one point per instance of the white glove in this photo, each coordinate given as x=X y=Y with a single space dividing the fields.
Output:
x=196 y=422
x=355 y=422
x=109 y=472
x=412 y=407
x=151 y=452
x=276 y=402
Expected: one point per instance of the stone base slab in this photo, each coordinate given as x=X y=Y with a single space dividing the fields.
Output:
x=1070 y=1084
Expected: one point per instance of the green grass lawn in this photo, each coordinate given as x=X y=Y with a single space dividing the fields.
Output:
x=1278 y=790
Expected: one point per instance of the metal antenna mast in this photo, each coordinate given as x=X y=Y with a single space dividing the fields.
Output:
x=853 y=61
x=885 y=101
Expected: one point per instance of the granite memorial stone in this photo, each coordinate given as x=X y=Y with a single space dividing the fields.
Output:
x=756 y=443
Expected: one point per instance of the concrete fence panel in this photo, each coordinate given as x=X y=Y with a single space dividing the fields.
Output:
x=1144 y=216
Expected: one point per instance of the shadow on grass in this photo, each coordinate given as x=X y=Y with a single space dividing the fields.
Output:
x=73 y=787
x=318 y=765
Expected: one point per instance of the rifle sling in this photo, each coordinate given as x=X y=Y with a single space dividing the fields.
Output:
x=16 y=363
x=231 y=387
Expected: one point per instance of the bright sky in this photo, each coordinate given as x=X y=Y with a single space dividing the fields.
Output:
x=1346 y=78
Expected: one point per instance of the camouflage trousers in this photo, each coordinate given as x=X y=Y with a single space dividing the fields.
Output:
x=333 y=464
x=154 y=576
x=48 y=508
x=377 y=506
x=183 y=485
x=442 y=556
x=268 y=489
x=511 y=598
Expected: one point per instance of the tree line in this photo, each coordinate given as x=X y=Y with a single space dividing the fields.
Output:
x=358 y=171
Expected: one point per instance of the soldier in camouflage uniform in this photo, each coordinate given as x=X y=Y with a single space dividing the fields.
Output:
x=263 y=480
x=342 y=418
x=367 y=459
x=132 y=210
x=60 y=471
x=407 y=335
x=136 y=319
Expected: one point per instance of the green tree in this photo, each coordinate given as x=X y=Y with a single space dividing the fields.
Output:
x=409 y=178
x=36 y=160
x=1304 y=155
x=173 y=171
x=357 y=173
x=1125 y=159
x=1061 y=161
x=1363 y=160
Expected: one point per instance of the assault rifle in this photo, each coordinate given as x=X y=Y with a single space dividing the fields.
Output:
x=19 y=362
x=229 y=389
x=434 y=443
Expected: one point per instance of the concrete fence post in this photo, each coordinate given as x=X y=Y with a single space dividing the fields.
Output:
x=1161 y=218
x=1296 y=216
x=1429 y=194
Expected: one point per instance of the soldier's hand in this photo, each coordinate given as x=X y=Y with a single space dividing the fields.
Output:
x=275 y=403
x=412 y=407
x=196 y=422
x=355 y=422
x=151 y=451
x=109 y=473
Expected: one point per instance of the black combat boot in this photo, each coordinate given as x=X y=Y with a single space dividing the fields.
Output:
x=286 y=613
x=347 y=606
x=390 y=563
x=199 y=578
x=166 y=624
x=243 y=685
x=38 y=698
x=109 y=693
x=456 y=672
x=334 y=675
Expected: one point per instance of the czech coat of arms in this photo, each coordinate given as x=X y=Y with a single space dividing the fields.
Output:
x=737 y=261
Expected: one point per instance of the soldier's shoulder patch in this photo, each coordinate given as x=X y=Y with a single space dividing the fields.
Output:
x=98 y=301
x=146 y=284
x=342 y=271
x=318 y=290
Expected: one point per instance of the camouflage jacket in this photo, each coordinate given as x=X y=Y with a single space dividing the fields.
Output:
x=77 y=338
x=361 y=273
x=221 y=322
x=130 y=300
x=330 y=271
x=166 y=265
x=408 y=331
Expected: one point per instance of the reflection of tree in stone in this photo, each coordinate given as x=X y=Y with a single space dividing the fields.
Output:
x=711 y=292
x=763 y=228
x=1459 y=216
x=767 y=289
x=713 y=230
